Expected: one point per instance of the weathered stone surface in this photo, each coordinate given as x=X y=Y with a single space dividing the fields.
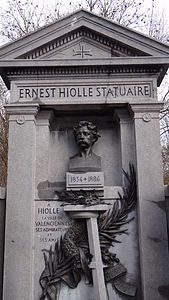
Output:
x=2 y=193
x=88 y=180
x=83 y=67
x=2 y=234
x=19 y=244
x=152 y=227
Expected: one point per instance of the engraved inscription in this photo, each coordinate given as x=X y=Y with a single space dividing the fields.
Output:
x=83 y=92
x=50 y=221
x=85 y=180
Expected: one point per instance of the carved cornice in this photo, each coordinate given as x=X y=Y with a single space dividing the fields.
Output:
x=90 y=70
x=21 y=113
x=145 y=111
x=18 y=108
x=117 y=49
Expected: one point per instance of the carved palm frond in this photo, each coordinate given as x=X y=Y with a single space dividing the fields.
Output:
x=61 y=264
x=110 y=222
x=57 y=267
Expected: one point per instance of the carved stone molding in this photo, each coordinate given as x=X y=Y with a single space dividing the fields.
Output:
x=145 y=111
x=81 y=70
x=21 y=113
x=116 y=48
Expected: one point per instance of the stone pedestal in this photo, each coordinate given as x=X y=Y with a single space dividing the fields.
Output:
x=91 y=214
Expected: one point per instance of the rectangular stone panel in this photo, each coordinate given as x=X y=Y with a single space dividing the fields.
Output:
x=50 y=222
x=91 y=91
x=88 y=180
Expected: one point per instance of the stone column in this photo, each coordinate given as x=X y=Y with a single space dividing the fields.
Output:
x=19 y=247
x=43 y=120
x=2 y=234
x=126 y=137
x=90 y=214
x=96 y=265
x=152 y=227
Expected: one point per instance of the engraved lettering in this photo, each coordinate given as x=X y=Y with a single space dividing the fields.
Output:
x=104 y=90
x=115 y=90
x=101 y=92
x=21 y=91
x=72 y=92
x=62 y=92
x=98 y=92
x=53 y=91
x=129 y=92
x=27 y=93
x=48 y=210
x=34 y=93
x=140 y=91
x=146 y=90
x=110 y=92
x=41 y=93
x=90 y=92
x=84 y=92
x=122 y=91
x=47 y=93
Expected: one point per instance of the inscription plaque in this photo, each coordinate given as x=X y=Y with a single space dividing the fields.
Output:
x=88 y=180
x=49 y=224
x=50 y=221
x=61 y=92
x=77 y=92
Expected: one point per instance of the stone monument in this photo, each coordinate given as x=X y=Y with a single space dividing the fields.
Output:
x=85 y=210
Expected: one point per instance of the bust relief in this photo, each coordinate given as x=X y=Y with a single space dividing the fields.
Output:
x=86 y=134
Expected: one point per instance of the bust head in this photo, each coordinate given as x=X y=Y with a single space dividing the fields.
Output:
x=85 y=160
x=86 y=134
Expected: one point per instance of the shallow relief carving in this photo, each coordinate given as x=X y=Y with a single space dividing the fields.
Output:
x=146 y=117
x=21 y=120
x=70 y=256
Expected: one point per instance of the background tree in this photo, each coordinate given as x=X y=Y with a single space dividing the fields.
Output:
x=23 y=16
x=165 y=160
x=4 y=95
x=125 y=12
x=18 y=19
x=164 y=124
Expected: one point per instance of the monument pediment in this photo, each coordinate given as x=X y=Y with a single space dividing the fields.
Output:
x=88 y=40
x=83 y=35
x=82 y=44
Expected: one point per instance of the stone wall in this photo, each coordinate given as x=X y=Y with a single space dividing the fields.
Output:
x=167 y=205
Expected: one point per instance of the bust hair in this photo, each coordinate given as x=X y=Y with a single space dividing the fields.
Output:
x=90 y=126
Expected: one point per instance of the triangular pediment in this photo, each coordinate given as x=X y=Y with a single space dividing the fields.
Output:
x=83 y=35
x=82 y=44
